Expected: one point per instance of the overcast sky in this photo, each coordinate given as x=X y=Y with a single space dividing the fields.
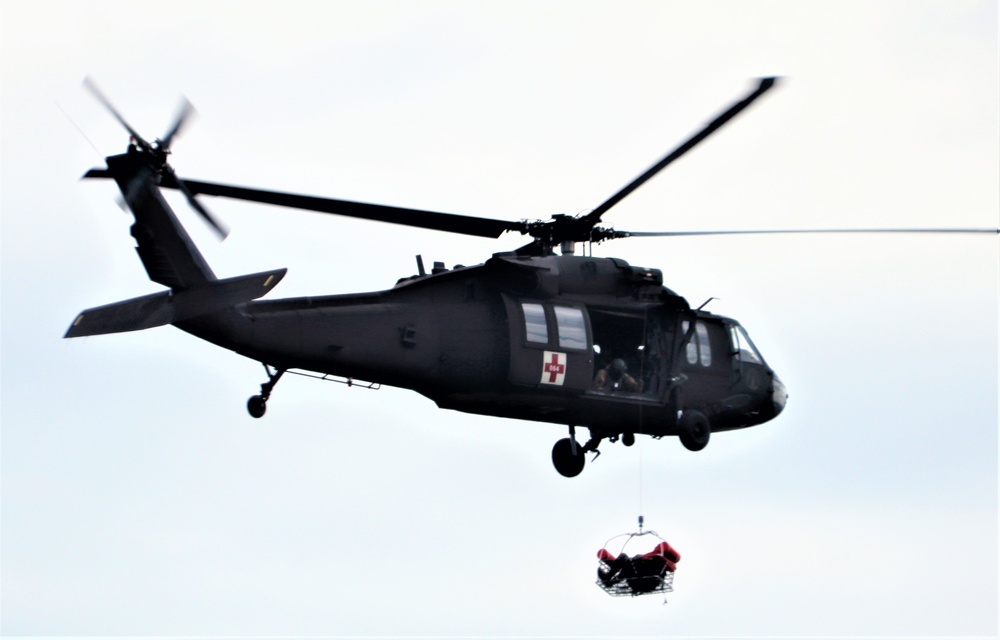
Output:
x=139 y=498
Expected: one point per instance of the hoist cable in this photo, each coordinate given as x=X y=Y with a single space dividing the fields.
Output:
x=640 y=488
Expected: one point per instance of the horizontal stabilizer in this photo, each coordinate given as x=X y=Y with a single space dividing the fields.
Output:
x=98 y=173
x=169 y=307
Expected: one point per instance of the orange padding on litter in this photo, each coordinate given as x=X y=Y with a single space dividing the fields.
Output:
x=664 y=549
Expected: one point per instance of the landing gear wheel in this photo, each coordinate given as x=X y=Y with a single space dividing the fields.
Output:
x=256 y=405
x=628 y=438
x=694 y=430
x=566 y=462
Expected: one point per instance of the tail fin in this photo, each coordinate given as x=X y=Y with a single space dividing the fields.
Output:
x=166 y=250
x=169 y=307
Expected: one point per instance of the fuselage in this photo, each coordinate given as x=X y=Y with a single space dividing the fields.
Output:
x=522 y=338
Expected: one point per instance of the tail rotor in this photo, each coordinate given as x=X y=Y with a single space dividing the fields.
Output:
x=157 y=153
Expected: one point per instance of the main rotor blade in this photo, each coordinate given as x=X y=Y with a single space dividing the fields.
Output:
x=649 y=234
x=90 y=86
x=765 y=83
x=454 y=223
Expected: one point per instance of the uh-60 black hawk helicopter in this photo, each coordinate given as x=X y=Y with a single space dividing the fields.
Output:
x=529 y=334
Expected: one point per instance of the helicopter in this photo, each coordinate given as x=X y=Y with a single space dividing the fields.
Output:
x=530 y=334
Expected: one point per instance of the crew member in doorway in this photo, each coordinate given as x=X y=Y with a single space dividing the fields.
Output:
x=615 y=377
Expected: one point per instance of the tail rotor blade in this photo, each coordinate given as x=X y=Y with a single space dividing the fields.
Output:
x=185 y=111
x=90 y=86
x=202 y=211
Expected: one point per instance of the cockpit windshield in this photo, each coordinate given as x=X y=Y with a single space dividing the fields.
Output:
x=743 y=345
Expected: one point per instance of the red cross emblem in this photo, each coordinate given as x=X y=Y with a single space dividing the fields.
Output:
x=553 y=368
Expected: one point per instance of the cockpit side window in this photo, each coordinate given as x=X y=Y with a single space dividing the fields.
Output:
x=704 y=347
x=692 y=345
x=699 y=348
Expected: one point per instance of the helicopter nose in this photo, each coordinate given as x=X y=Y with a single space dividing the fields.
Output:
x=779 y=395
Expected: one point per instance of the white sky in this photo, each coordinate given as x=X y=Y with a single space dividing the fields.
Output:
x=139 y=498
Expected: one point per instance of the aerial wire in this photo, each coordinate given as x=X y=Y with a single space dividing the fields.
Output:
x=77 y=127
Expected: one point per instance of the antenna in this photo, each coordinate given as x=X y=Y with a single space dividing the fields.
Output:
x=705 y=303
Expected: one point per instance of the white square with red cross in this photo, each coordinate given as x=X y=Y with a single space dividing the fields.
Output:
x=553 y=368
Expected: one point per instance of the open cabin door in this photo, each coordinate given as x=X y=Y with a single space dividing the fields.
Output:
x=550 y=345
x=640 y=339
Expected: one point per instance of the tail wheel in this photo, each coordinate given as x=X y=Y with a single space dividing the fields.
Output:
x=567 y=457
x=695 y=430
x=257 y=405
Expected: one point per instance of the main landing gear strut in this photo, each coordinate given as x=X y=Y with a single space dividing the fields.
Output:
x=568 y=454
x=257 y=405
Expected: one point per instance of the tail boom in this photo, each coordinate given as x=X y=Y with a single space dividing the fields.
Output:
x=169 y=307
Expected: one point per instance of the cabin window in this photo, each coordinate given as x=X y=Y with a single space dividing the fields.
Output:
x=535 y=328
x=572 y=328
x=698 y=349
